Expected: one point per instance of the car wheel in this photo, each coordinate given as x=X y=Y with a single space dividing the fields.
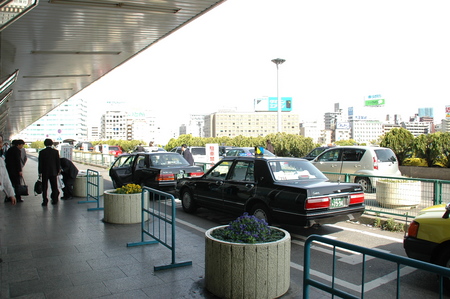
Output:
x=115 y=184
x=188 y=202
x=365 y=183
x=444 y=261
x=261 y=211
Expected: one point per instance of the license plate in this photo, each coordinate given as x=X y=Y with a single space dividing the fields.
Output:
x=181 y=175
x=338 y=202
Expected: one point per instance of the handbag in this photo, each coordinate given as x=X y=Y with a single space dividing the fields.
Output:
x=22 y=189
x=38 y=187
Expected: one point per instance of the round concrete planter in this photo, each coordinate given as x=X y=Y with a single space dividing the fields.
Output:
x=80 y=186
x=237 y=270
x=398 y=194
x=122 y=208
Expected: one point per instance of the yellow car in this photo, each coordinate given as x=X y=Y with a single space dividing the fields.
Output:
x=428 y=237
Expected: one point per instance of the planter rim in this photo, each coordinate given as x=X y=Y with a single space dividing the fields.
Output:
x=209 y=231
x=113 y=191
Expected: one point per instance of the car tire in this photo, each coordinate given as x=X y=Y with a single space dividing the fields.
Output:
x=444 y=261
x=365 y=183
x=188 y=202
x=115 y=185
x=261 y=211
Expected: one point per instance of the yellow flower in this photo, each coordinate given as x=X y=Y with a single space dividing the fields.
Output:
x=129 y=189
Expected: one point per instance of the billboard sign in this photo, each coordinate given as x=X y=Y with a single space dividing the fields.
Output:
x=343 y=126
x=267 y=104
x=375 y=100
x=447 y=111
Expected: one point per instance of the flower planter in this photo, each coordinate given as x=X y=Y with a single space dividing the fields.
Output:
x=80 y=186
x=238 y=270
x=398 y=194
x=122 y=208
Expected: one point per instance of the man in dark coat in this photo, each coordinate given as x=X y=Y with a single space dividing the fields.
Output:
x=69 y=173
x=186 y=153
x=13 y=159
x=49 y=168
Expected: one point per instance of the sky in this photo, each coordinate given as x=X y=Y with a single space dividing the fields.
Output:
x=335 y=52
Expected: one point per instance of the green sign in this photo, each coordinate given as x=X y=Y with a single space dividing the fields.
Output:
x=374 y=102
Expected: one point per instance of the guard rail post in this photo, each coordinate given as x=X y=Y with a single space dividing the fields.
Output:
x=92 y=189
x=158 y=219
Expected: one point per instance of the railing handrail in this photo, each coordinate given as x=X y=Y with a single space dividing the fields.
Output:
x=399 y=260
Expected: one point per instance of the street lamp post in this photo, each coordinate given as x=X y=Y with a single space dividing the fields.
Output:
x=278 y=61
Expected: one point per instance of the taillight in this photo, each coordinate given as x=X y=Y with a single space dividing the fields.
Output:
x=165 y=177
x=375 y=163
x=196 y=174
x=317 y=203
x=356 y=198
x=413 y=229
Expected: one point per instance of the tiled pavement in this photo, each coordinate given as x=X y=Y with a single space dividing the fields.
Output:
x=66 y=251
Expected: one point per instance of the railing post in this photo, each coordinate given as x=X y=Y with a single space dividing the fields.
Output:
x=437 y=199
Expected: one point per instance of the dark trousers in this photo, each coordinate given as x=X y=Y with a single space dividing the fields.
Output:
x=68 y=186
x=15 y=182
x=53 y=184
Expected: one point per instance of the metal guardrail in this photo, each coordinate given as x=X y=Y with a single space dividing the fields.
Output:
x=333 y=289
x=159 y=223
x=399 y=196
x=93 y=158
x=92 y=189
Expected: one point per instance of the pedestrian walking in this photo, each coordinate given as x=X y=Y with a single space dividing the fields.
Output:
x=269 y=146
x=13 y=159
x=186 y=153
x=49 y=167
x=23 y=156
x=5 y=182
x=69 y=173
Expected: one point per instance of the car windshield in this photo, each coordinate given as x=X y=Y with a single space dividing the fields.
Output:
x=284 y=170
x=167 y=159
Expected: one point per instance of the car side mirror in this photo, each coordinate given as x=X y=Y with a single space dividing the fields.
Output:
x=447 y=211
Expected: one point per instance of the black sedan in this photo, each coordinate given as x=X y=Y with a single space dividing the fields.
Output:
x=158 y=170
x=277 y=189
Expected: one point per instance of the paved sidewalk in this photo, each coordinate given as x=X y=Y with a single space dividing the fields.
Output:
x=65 y=251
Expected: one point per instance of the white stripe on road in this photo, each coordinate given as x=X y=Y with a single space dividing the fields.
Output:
x=368 y=286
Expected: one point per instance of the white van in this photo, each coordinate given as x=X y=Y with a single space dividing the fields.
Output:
x=367 y=160
x=198 y=153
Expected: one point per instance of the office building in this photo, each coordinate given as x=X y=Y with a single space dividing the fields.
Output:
x=249 y=124
x=67 y=121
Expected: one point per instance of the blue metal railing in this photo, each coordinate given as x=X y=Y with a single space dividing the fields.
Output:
x=401 y=196
x=332 y=289
x=92 y=189
x=159 y=223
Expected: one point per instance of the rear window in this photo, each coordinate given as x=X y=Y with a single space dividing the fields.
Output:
x=385 y=155
x=113 y=148
x=198 y=151
x=294 y=170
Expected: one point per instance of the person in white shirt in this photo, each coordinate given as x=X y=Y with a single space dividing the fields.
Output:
x=5 y=183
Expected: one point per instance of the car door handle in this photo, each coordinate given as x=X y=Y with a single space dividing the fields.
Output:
x=218 y=183
x=249 y=186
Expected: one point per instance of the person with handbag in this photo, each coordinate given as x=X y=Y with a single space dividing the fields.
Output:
x=13 y=159
x=49 y=168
